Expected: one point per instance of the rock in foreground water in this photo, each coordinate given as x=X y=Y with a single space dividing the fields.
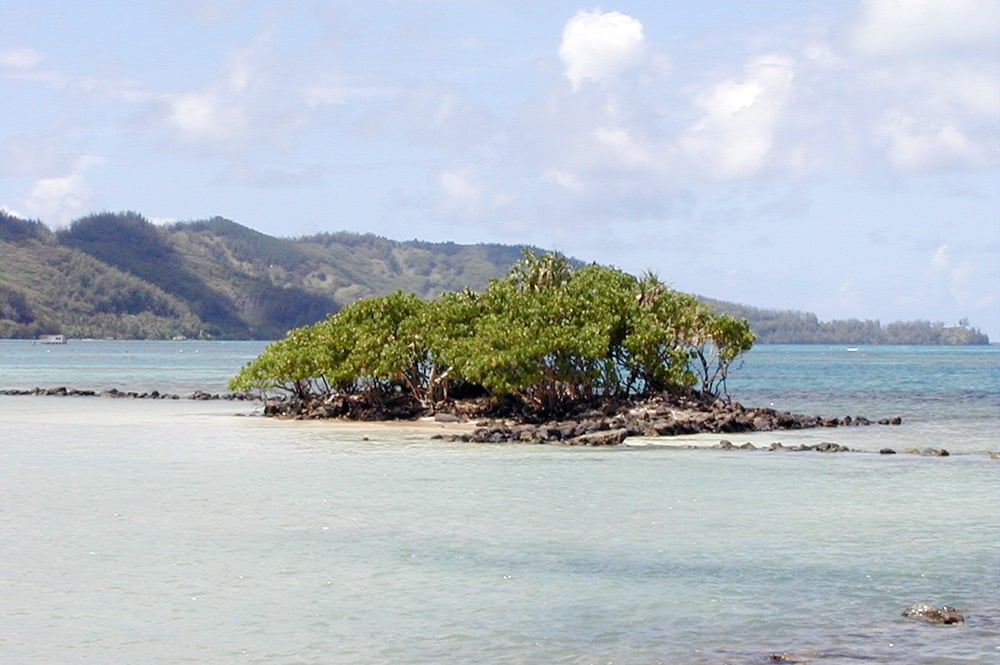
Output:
x=943 y=615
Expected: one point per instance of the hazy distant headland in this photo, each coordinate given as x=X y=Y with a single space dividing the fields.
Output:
x=117 y=275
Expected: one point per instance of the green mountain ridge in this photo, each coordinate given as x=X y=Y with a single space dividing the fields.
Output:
x=117 y=275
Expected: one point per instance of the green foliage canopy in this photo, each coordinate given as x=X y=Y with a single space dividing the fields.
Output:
x=548 y=334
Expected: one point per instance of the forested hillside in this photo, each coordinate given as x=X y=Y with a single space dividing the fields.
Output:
x=118 y=275
x=791 y=327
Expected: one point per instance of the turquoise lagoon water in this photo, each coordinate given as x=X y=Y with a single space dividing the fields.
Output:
x=196 y=532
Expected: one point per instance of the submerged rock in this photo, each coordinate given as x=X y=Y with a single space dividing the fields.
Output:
x=831 y=447
x=787 y=658
x=612 y=437
x=943 y=615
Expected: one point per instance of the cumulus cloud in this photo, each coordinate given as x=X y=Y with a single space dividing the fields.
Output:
x=927 y=74
x=919 y=146
x=598 y=46
x=253 y=107
x=205 y=117
x=59 y=200
x=882 y=90
x=736 y=133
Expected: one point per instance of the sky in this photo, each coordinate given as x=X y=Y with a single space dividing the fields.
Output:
x=839 y=157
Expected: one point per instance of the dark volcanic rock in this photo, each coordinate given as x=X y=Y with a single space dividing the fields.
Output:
x=510 y=419
x=943 y=615
x=612 y=437
x=830 y=447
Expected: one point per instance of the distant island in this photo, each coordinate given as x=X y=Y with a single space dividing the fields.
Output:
x=792 y=327
x=117 y=275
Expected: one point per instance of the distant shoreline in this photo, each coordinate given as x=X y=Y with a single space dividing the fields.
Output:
x=758 y=342
x=63 y=391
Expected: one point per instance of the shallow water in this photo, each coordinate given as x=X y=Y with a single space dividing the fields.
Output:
x=177 y=532
x=196 y=532
x=141 y=365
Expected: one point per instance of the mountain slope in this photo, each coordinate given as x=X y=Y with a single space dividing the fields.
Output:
x=118 y=275
x=49 y=288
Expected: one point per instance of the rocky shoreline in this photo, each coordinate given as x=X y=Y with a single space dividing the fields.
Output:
x=62 y=391
x=659 y=416
x=587 y=424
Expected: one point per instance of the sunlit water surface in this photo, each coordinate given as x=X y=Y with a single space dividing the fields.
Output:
x=197 y=532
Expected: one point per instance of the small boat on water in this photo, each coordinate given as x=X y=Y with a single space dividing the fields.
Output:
x=52 y=339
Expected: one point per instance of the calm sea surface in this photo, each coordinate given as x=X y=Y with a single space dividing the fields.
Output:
x=140 y=531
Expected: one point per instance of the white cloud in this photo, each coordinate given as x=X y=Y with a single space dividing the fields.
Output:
x=11 y=212
x=564 y=179
x=941 y=260
x=622 y=149
x=20 y=58
x=906 y=27
x=254 y=107
x=922 y=147
x=464 y=195
x=736 y=133
x=598 y=46
x=219 y=115
x=621 y=143
x=59 y=200
x=926 y=83
x=958 y=283
x=162 y=221
x=200 y=118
